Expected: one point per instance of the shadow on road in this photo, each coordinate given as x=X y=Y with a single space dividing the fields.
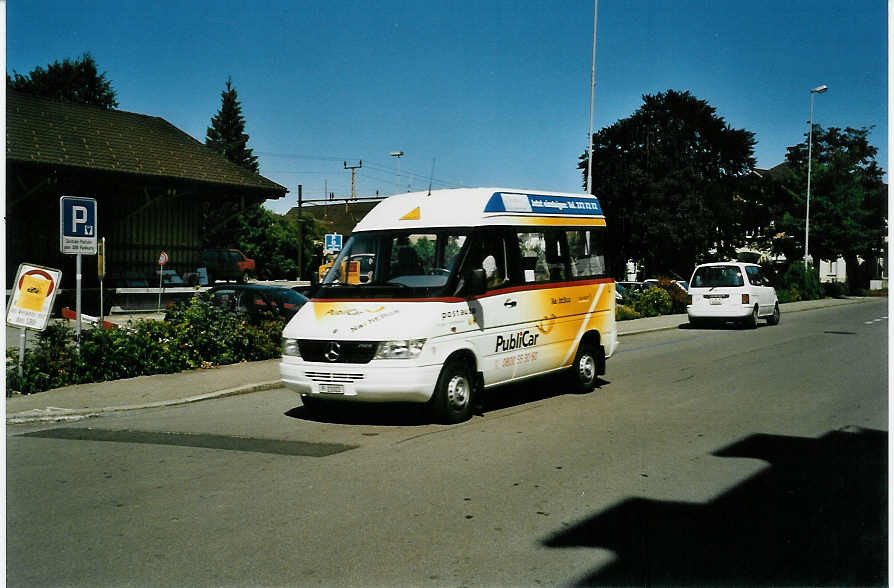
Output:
x=398 y=414
x=817 y=517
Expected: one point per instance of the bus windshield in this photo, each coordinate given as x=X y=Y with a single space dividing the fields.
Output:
x=398 y=263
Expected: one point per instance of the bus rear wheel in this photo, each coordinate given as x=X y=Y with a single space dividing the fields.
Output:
x=584 y=371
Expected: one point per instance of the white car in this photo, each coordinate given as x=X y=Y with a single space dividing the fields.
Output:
x=731 y=291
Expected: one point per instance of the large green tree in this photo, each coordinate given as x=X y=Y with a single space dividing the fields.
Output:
x=848 y=200
x=272 y=240
x=227 y=135
x=76 y=80
x=673 y=179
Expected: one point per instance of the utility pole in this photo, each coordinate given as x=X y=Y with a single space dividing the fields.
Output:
x=300 y=238
x=398 y=155
x=353 y=168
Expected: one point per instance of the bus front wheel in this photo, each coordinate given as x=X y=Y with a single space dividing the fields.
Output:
x=452 y=400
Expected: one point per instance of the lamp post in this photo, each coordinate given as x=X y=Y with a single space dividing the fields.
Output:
x=398 y=155
x=817 y=90
x=592 y=96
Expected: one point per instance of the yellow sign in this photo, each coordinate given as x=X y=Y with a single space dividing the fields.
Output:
x=34 y=292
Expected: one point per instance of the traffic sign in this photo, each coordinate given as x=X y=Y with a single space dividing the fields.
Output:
x=333 y=242
x=162 y=258
x=77 y=225
x=33 y=293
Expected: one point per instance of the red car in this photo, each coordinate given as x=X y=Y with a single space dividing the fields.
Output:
x=227 y=264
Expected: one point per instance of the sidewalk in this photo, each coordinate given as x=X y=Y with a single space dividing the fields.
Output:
x=89 y=400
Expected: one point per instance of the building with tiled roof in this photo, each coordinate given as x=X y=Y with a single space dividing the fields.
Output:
x=155 y=186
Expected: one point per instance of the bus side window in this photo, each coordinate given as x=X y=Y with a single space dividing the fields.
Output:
x=555 y=259
x=533 y=251
x=585 y=251
x=488 y=251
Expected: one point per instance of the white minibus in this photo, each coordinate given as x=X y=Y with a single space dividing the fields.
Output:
x=439 y=295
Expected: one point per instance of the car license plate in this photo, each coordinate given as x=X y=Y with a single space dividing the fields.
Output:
x=332 y=389
x=716 y=301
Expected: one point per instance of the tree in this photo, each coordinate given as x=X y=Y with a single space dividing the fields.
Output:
x=270 y=239
x=673 y=179
x=76 y=81
x=226 y=135
x=848 y=200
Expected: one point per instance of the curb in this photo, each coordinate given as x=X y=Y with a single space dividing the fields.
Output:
x=52 y=414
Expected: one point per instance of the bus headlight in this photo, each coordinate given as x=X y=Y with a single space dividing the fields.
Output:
x=290 y=347
x=403 y=349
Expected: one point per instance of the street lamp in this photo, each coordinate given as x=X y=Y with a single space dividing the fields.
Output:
x=398 y=155
x=817 y=90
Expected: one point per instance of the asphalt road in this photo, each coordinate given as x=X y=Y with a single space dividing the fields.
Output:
x=708 y=456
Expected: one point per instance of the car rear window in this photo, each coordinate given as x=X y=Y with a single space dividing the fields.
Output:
x=717 y=276
x=290 y=300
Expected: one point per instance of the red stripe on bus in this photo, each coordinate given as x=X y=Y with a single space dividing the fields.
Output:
x=498 y=292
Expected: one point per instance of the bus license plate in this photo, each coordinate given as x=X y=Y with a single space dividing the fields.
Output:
x=332 y=389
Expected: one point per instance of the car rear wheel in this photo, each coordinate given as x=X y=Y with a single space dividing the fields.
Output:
x=773 y=319
x=751 y=321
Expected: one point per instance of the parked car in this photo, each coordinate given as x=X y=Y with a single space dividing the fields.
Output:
x=227 y=264
x=632 y=286
x=731 y=291
x=253 y=299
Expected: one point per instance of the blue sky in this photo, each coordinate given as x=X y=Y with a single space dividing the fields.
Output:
x=489 y=93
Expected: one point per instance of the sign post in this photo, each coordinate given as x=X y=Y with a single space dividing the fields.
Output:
x=162 y=260
x=31 y=303
x=101 y=272
x=77 y=236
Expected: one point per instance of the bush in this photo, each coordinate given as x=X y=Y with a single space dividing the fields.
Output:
x=834 y=289
x=194 y=333
x=653 y=302
x=801 y=284
x=626 y=313
x=677 y=294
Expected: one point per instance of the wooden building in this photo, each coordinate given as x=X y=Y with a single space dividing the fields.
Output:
x=154 y=185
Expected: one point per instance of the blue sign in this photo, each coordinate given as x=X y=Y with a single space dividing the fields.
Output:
x=543 y=204
x=333 y=242
x=78 y=225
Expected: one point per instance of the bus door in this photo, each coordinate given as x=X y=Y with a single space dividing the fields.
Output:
x=498 y=315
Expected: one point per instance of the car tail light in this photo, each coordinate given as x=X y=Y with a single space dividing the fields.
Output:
x=689 y=299
x=746 y=299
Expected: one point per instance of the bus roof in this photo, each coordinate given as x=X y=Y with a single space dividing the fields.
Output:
x=471 y=207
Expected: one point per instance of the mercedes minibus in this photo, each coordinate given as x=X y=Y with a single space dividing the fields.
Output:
x=439 y=295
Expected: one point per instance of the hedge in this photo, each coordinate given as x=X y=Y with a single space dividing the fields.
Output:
x=193 y=334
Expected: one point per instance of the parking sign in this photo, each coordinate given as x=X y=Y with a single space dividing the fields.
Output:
x=77 y=225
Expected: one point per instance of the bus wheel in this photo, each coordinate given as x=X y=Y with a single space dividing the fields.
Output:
x=452 y=400
x=584 y=370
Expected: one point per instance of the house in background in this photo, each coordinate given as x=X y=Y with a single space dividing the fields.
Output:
x=154 y=184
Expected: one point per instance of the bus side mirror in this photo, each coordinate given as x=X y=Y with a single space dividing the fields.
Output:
x=475 y=283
